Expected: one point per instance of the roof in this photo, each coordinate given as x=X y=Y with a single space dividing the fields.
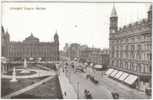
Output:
x=31 y=38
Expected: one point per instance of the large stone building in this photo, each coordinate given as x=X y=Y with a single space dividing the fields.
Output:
x=31 y=47
x=87 y=54
x=100 y=57
x=131 y=49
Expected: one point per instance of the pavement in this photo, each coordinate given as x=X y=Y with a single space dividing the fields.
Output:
x=67 y=89
x=39 y=73
x=27 y=88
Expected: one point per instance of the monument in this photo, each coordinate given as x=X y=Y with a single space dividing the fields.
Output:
x=25 y=67
x=13 y=76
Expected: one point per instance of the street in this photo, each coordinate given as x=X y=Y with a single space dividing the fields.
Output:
x=103 y=89
x=97 y=91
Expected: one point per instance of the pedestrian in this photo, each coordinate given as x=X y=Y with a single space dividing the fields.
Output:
x=65 y=93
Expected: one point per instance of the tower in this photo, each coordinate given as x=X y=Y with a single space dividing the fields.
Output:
x=2 y=36
x=113 y=21
x=150 y=14
x=3 y=42
x=7 y=36
x=56 y=38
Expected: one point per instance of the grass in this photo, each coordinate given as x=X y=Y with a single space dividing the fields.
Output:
x=8 y=87
x=48 y=90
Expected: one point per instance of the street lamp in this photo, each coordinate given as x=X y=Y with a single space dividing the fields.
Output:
x=78 y=90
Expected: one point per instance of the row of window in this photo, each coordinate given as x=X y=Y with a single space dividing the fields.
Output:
x=144 y=68
x=144 y=37
x=132 y=47
x=32 y=54
x=132 y=55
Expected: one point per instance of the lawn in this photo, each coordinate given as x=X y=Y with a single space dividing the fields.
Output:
x=8 y=87
x=49 y=90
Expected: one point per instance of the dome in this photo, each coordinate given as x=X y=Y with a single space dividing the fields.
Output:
x=31 y=39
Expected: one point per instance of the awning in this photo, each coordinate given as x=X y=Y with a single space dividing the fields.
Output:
x=123 y=77
x=114 y=73
x=117 y=76
x=109 y=71
x=130 y=79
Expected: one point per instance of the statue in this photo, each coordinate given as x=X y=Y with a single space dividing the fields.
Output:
x=13 y=76
x=25 y=67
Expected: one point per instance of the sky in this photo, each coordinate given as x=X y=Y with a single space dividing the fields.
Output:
x=84 y=23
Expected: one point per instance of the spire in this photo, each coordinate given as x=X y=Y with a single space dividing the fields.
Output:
x=150 y=13
x=56 y=36
x=7 y=32
x=2 y=29
x=114 y=13
x=150 y=8
x=31 y=34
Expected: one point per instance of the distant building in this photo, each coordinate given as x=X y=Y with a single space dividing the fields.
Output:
x=100 y=57
x=131 y=50
x=76 y=50
x=84 y=53
x=31 y=47
x=73 y=51
x=87 y=54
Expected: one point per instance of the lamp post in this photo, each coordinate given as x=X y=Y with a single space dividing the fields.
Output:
x=78 y=90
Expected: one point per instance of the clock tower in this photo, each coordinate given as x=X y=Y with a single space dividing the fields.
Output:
x=113 y=21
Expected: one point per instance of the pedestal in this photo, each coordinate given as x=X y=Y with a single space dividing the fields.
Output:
x=25 y=71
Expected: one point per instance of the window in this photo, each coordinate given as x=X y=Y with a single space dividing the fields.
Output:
x=131 y=66
x=126 y=65
x=150 y=69
x=132 y=51
x=121 y=65
x=142 y=68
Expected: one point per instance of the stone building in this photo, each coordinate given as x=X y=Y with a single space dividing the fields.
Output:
x=31 y=47
x=100 y=57
x=73 y=51
x=131 y=50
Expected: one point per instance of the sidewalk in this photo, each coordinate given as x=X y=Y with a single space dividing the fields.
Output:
x=39 y=73
x=66 y=87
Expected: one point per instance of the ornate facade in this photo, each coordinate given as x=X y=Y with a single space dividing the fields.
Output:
x=131 y=47
x=31 y=47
